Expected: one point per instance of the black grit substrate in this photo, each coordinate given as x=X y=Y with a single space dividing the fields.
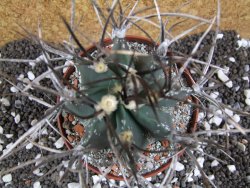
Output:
x=29 y=110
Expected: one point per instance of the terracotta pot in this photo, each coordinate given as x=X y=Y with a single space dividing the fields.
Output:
x=191 y=126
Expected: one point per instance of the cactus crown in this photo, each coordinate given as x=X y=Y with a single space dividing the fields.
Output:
x=127 y=90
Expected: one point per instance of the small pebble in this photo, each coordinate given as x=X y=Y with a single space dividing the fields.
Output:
x=20 y=77
x=9 y=135
x=98 y=185
x=13 y=114
x=232 y=59
x=236 y=118
x=219 y=36
x=189 y=177
x=45 y=132
x=248 y=179
x=174 y=180
x=246 y=78
x=214 y=95
x=17 y=118
x=18 y=104
x=229 y=112
x=201 y=160
x=95 y=179
x=247 y=93
x=7 y=178
x=13 y=89
x=179 y=167
x=5 y=101
x=246 y=68
x=74 y=185
x=31 y=75
x=201 y=116
x=9 y=145
x=216 y=120
x=37 y=185
x=231 y=168
x=29 y=146
x=32 y=64
x=65 y=163
x=211 y=177
x=214 y=163
x=244 y=141
x=224 y=78
x=243 y=43
x=1 y=130
x=1 y=147
x=59 y=143
x=37 y=172
x=33 y=122
x=241 y=146
x=197 y=172
x=247 y=101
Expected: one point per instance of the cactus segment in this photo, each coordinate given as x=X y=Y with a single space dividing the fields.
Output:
x=79 y=109
x=89 y=78
x=177 y=96
x=160 y=128
x=95 y=134
x=125 y=122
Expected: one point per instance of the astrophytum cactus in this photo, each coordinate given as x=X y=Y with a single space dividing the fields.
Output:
x=127 y=90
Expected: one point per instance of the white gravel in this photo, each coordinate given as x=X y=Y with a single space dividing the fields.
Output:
x=13 y=114
x=7 y=178
x=1 y=130
x=232 y=59
x=229 y=112
x=241 y=146
x=95 y=179
x=31 y=75
x=59 y=143
x=37 y=185
x=216 y=120
x=211 y=177
x=179 y=167
x=247 y=101
x=9 y=135
x=244 y=43
x=33 y=122
x=236 y=118
x=247 y=93
x=29 y=146
x=224 y=78
x=214 y=163
x=5 y=101
x=219 y=36
x=13 y=89
x=98 y=185
x=74 y=185
x=17 y=118
x=231 y=168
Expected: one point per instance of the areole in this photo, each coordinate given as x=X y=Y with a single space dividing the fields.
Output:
x=191 y=127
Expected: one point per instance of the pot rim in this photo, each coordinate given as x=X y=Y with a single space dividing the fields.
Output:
x=192 y=125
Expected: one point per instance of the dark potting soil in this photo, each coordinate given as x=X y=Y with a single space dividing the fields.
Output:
x=29 y=110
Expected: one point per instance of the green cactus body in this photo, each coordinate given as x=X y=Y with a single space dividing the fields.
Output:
x=110 y=82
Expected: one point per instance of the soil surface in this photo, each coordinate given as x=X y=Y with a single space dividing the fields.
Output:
x=19 y=116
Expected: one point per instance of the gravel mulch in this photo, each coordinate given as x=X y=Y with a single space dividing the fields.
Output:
x=17 y=117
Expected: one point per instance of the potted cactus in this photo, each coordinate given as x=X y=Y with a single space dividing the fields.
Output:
x=125 y=101
x=128 y=103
